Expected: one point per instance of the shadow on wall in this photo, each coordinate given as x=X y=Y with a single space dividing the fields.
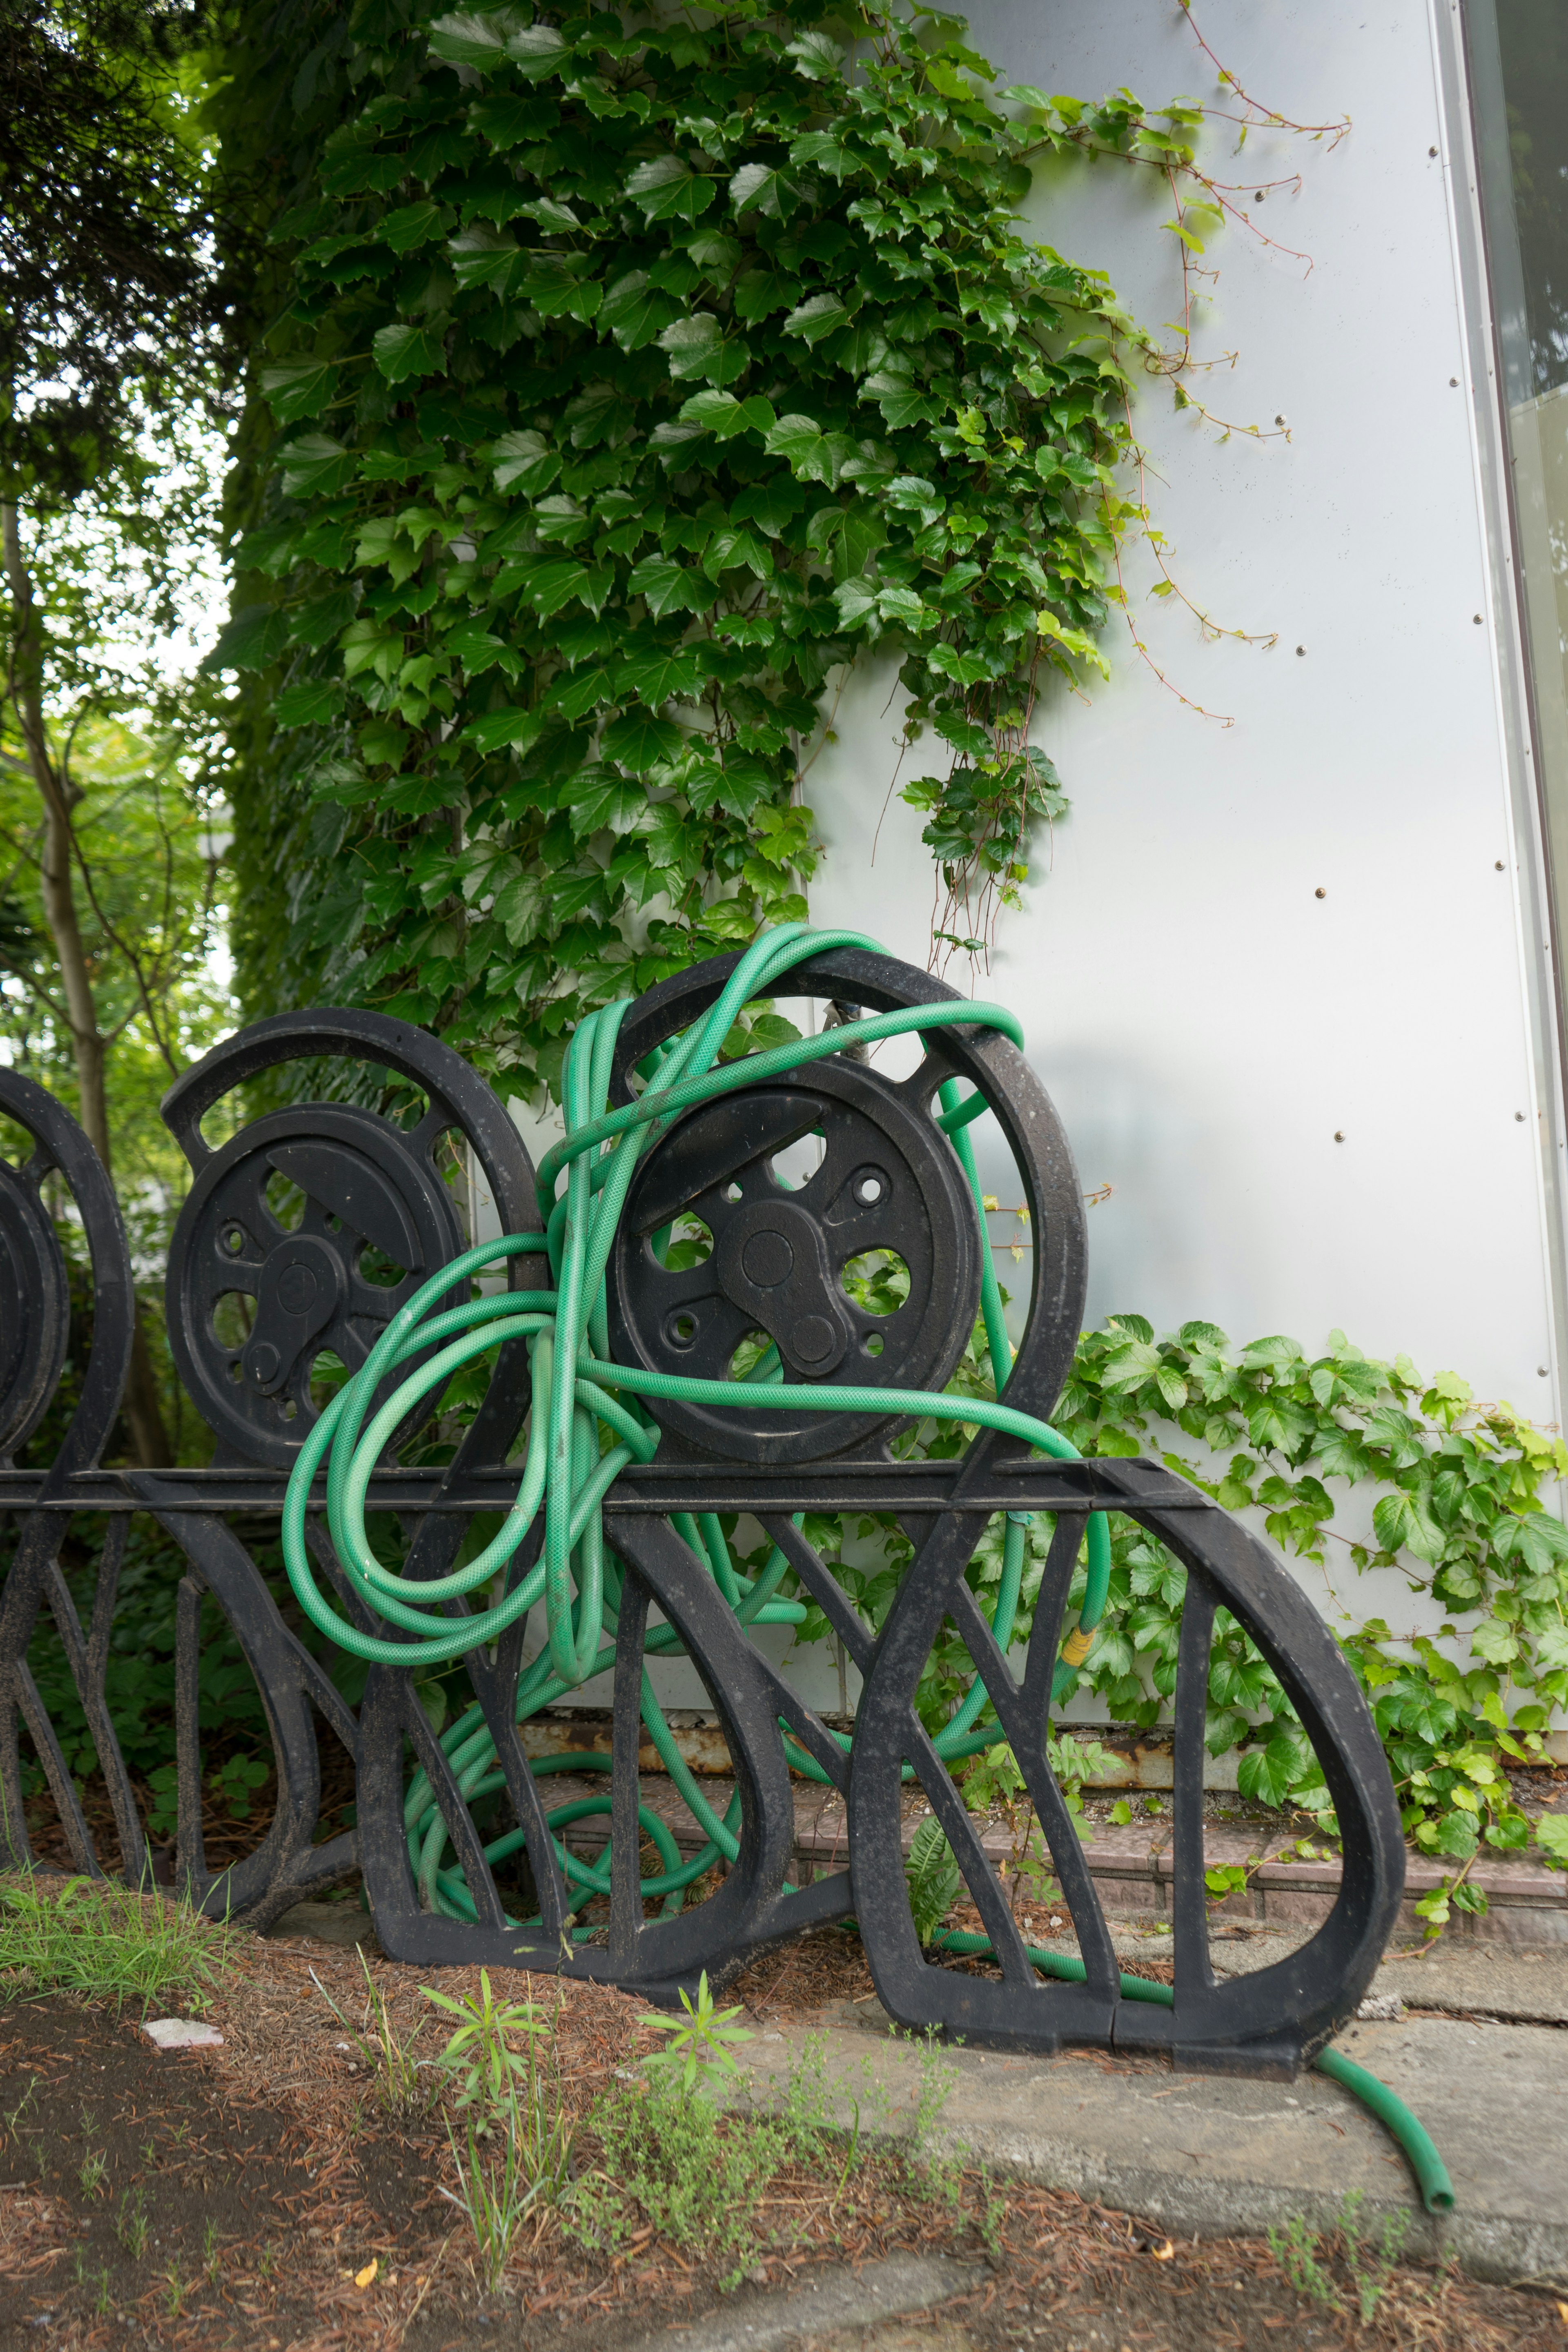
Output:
x=1132 y=1129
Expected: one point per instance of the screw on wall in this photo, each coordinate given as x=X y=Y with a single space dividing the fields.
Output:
x=1319 y=892
x=1339 y=1135
x=1431 y=151
x=1519 y=1114
x=1300 y=649
x=1498 y=865
x=1477 y=619
x=1453 y=383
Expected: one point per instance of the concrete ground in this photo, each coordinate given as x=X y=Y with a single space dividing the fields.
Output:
x=1474 y=2038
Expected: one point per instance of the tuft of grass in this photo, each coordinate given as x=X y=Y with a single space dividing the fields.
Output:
x=102 y=1941
x=131 y=2227
x=91 y=2173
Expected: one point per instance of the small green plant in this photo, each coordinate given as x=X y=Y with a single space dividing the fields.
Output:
x=105 y=2296
x=1450 y=1895
x=86 y=1936
x=698 y=2053
x=694 y=2172
x=173 y=2294
x=495 y=2192
x=130 y=2223
x=1370 y=2266
x=1295 y=2249
x=212 y=2259
x=932 y=1877
x=386 y=2054
x=91 y=2172
x=480 y=2051
x=1121 y=1812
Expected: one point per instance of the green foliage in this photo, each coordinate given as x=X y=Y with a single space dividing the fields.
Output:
x=631 y=374
x=478 y=2049
x=1457 y=1512
x=105 y=1942
x=696 y=2174
x=1307 y=2259
x=698 y=2056
x=932 y=1876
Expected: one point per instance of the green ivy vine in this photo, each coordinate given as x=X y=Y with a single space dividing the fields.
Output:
x=636 y=371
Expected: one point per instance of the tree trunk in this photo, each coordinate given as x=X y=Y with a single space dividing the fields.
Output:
x=144 y=1413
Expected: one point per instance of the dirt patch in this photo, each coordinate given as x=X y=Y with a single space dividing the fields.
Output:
x=238 y=2196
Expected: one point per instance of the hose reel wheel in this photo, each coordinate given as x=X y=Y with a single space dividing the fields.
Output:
x=35 y=1308
x=807 y=1256
x=302 y=1237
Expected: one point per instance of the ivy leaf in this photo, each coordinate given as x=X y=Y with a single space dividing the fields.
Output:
x=498 y=729
x=817 y=55
x=816 y=318
x=584 y=692
x=668 y=189
x=797 y=439
x=482 y=256
x=556 y=285
x=538 y=51
x=554 y=584
x=1495 y=1640
x=770 y=189
x=739 y=785
x=900 y=397
x=721 y=414
x=468 y=38
x=730 y=549
x=761 y=291
x=298 y=388
x=635 y=311
x=550 y=215
x=507 y=120
x=477 y=649
x=402 y=351
x=668 y=586
x=315 y=466
x=315 y=624
x=668 y=672
x=691 y=344
x=413 y=225
x=384 y=743
x=965 y=669
x=309 y=706
x=599 y=413
x=639 y=740
x=577 y=894
x=253 y=639
x=772 y=503
x=524 y=461
x=599 y=796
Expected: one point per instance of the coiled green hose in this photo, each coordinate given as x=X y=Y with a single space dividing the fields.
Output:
x=569 y=1469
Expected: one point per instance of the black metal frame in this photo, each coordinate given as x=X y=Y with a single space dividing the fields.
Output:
x=370 y=1183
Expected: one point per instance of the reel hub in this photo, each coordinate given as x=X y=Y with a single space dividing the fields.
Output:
x=786 y=1254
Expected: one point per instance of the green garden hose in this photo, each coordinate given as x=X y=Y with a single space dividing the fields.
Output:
x=569 y=1467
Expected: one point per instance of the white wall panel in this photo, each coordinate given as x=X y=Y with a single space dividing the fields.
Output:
x=1204 y=1021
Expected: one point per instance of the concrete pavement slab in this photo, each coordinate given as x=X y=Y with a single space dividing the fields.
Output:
x=1212 y=2156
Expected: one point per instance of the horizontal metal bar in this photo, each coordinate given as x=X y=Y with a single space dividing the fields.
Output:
x=913 y=1487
